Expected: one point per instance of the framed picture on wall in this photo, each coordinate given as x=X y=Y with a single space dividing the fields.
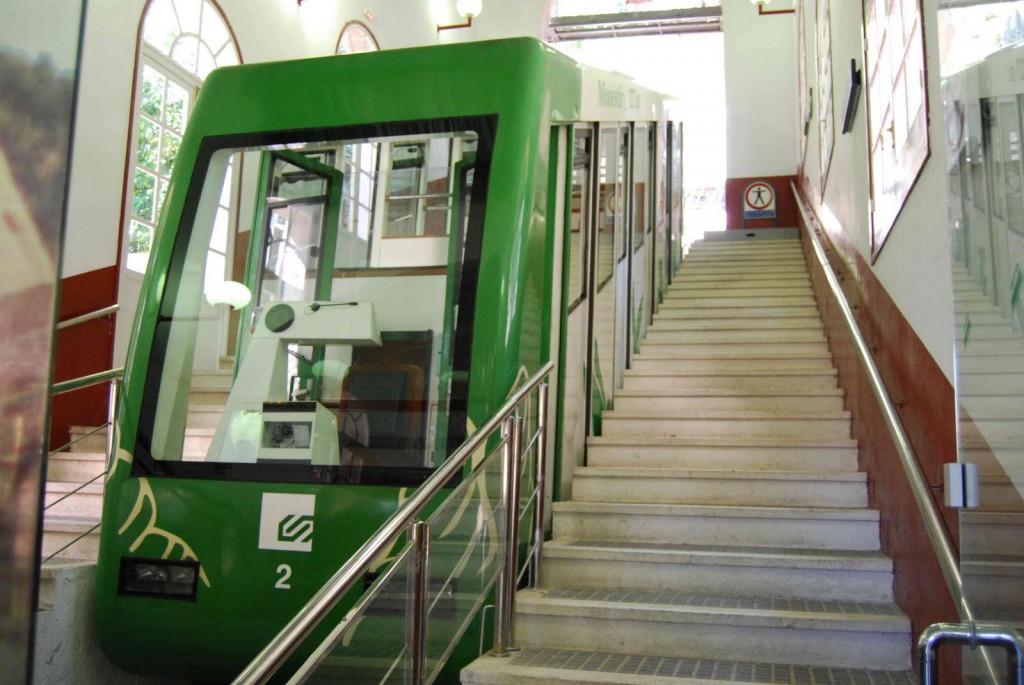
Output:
x=826 y=118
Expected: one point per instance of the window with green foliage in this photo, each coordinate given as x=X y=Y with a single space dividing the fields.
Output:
x=183 y=41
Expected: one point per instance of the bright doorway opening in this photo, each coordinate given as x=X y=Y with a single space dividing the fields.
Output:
x=689 y=67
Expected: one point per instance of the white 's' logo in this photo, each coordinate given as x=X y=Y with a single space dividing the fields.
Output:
x=286 y=522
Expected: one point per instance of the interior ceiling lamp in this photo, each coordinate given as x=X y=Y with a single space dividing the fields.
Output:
x=468 y=9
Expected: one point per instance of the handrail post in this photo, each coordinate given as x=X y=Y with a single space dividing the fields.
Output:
x=505 y=595
x=542 y=466
x=420 y=534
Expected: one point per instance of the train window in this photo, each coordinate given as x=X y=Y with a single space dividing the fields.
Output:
x=641 y=183
x=346 y=370
x=579 y=223
x=609 y=173
x=419 y=187
x=621 y=192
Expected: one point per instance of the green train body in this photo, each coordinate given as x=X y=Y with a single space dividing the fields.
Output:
x=462 y=276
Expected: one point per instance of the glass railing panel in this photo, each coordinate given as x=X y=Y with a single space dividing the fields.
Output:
x=371 y=647
x=983 y=120
x=466 y=550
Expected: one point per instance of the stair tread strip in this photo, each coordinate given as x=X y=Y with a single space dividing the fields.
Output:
x=737 y=511
x=735 y=555
x=536 y=664
x=733 y=609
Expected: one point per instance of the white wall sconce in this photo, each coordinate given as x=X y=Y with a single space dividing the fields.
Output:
x=467 y=9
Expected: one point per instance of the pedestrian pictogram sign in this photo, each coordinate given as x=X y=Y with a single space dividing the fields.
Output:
x=759 y=201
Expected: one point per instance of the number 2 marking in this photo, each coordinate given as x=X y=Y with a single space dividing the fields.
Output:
x=282 y=583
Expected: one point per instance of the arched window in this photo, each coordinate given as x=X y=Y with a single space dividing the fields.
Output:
x=182 y=42
x=356 y=37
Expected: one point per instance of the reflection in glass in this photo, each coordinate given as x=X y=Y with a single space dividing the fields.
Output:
x=983 y=121
x=351 y=334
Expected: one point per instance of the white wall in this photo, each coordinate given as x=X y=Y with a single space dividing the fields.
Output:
x=914 y=265
x=760 y=88
x=265 y=30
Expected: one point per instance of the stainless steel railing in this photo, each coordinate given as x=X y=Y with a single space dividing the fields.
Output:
x=111 y=376
x=977 y=634
x=507 y=422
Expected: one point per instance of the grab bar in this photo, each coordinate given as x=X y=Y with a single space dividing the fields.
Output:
x=98 y=314
x=944 y=550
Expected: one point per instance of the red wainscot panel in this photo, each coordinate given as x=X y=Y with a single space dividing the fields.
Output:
x=81 y=350
x=785 y=205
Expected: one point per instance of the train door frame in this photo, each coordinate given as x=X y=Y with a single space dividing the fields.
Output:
x=253 y=278
x=623 y=259
x=580 y=302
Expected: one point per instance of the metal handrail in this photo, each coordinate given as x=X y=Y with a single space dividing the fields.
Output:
x=112 y=376
x=277 y=651
x=91 y=316
x=86 y=381
x=941 y=543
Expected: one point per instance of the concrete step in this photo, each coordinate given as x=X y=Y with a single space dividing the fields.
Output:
x=709 y=332
x=62 y=530
x=802 y=323
x=75 y=467
x=835 y=575
x=731 y=299
x=998 y=492
x=977 y=346
x=738 y=312
x=204 y=415
x=644 y=365
x=87 y=502
x=732 y=452
x=220 y=379
x=703 y=399
x=985 y=316
x=992 y=383
x=996 y=581
x=727 y=423
x=756 y=488
x=990 y=533
x=790 y=527
x=730 y=350
x=849 y=634
x=760 y=246
x=983 y=332
x=197 y=442
x=994 y=406
x=776 y=382
x=83 y=442
x=686 y=291
x=1001 y=431
x=990 y=363
x=539 y=665
x=209 y=397
x=787 y=252
x=733 y=281
x=787 y=267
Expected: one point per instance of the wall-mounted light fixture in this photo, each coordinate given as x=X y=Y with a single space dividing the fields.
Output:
x=467 y=9
x=762 y=11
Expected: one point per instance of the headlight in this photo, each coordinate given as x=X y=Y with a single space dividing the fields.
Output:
x=158 y=578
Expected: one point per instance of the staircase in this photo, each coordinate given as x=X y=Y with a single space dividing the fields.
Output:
x=79 y=514
x=720 y=530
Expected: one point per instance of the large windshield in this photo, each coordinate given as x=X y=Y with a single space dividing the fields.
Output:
x=329 y=356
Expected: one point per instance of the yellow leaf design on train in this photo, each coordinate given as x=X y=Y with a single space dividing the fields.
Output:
x=174 y=542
